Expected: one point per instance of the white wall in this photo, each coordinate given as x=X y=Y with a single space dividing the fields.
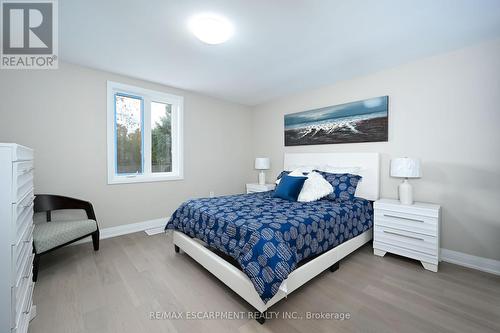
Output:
x=62 y=115
x=444 y=110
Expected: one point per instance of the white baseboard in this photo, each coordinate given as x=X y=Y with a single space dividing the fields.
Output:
x=156 y=226
x=153 y=227
x=155 y=231
x=468 y=260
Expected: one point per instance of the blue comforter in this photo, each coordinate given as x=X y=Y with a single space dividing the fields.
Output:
x=269 y=236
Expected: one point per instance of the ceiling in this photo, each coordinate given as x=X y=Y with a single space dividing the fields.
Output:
x=279 y=46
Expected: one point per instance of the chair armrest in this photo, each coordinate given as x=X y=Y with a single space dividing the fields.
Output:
x=49 y=202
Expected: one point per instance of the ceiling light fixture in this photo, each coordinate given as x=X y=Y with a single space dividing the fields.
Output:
x=211 y=28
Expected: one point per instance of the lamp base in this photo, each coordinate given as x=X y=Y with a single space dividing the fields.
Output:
x=262 y=177
x=405 y=193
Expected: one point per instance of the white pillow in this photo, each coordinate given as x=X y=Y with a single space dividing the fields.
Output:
x=315 y=187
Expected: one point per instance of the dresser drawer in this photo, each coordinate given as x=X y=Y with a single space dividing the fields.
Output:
x=22 y=214
x=26 y=270
x=21 y=251
x=404 y=221
x=22 y=179
x=22 y=326
x=21 y=153
x=405 y=239
x=19 y=290
x=21 y=308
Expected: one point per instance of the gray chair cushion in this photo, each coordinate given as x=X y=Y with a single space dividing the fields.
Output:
x=49 y=235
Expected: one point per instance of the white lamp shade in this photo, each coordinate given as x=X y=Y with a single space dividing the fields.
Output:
x=405 y=167
x=262 y=163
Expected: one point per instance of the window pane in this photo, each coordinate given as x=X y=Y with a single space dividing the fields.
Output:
x=128 y=134
x=161 y=137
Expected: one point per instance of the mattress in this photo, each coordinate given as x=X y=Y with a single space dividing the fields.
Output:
x=268 y=237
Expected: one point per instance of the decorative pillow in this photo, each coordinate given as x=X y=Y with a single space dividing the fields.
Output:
x=315 y=188
x=344 y=185
x=295 y=173
x=282 y=173
x=289 y=187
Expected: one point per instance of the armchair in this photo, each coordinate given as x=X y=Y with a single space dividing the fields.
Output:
x=60 y=221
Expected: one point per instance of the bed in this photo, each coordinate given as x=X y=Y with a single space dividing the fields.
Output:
x=277 y=245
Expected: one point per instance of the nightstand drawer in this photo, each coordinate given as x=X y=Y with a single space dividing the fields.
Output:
x=255 y=188
x=424 y=257
x=405 y=239
x=409 y=222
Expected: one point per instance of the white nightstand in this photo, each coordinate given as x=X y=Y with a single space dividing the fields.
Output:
x=410 y=231
x=253 y=188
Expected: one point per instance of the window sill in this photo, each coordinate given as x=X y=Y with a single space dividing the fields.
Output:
x=142 y=179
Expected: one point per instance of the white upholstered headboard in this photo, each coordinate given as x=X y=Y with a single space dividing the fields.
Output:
x=368 y=164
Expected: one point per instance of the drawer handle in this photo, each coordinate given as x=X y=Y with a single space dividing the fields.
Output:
x=27 y=206
x=395 y=233
x=30 y=205
x=27 y=171
x=404 y=218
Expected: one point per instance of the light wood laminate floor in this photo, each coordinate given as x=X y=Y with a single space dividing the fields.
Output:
x=115 y=289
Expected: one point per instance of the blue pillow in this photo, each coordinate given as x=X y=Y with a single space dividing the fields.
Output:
x=344 y=185
x=289 y=187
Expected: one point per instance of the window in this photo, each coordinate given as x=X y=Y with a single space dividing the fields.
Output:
x=144 y=135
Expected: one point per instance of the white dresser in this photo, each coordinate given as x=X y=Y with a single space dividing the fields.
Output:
x=16 y=237
x=408 y=230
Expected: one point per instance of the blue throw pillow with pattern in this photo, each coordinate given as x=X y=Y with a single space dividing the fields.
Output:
x=344 y=185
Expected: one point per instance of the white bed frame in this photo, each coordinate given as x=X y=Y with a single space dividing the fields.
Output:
x=368 y=188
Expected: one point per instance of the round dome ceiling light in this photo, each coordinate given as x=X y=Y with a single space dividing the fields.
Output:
x=210 y=28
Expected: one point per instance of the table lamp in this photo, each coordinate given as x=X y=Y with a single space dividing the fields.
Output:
x=262 y=163
x=405 y=167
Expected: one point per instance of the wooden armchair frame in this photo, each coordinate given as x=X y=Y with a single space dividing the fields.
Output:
x=47 y=203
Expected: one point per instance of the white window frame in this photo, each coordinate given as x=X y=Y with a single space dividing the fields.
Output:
x=148 y=96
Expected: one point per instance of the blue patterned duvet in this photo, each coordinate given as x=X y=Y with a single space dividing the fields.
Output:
x=269 y=236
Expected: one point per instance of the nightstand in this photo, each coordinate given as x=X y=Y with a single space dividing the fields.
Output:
x=408 y=230
x=253 y=188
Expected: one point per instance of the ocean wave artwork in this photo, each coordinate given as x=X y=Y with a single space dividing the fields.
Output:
x=361 y=121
